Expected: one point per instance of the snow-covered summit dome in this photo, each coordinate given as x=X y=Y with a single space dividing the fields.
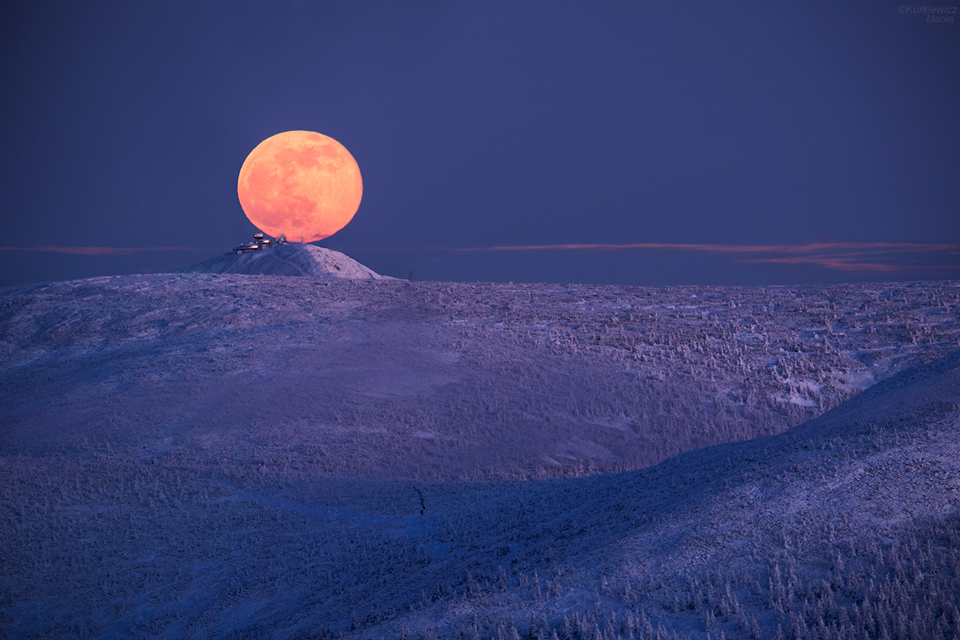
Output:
x=289 y=259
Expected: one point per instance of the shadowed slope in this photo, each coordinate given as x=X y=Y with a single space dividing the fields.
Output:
x=848 y=522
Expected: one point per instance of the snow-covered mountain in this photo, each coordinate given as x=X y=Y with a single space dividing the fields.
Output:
x=289 y=259
x=444 y=380
x=198 y=455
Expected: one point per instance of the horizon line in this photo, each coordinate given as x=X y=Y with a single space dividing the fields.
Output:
x=874 y=257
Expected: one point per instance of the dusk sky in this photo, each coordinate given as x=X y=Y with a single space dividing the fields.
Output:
x=625 y=143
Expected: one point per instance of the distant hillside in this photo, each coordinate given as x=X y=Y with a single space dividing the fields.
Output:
x=390 y=378
x=289 y=259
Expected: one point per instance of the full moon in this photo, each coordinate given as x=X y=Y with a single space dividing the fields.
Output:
x=300 y=183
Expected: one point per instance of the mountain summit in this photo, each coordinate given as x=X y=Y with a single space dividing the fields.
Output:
x=289 y=259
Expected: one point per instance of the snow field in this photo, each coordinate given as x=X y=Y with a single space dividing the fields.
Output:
x=249 y=456
x=445 y=380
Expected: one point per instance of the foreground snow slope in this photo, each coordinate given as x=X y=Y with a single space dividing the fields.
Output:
x=844 y=527
x=441 y=380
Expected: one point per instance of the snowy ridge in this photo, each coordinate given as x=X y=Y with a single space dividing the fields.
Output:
x=206 y=456
x=445 y=380
x=289 y=259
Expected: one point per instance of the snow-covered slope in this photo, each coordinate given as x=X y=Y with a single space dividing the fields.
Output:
x=207 y=456
x=444 y=380
x=846 y=527
x=290 y=259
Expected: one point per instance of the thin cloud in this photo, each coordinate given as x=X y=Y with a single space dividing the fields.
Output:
x=880 y=257
x=103 y=251
x=724 y=248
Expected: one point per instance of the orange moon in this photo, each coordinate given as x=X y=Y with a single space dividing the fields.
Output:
x=300 y=183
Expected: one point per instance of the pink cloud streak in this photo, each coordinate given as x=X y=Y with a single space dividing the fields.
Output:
x=727 y=248
x=841 y=256
x=102 y=251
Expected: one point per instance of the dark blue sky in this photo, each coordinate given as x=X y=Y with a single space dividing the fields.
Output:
x=749 y=130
